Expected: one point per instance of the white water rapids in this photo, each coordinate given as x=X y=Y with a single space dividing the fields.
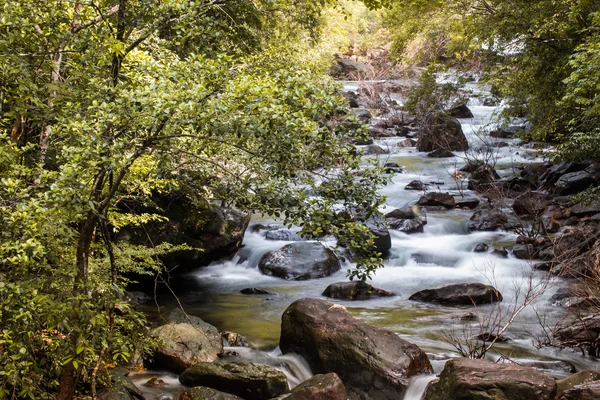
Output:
x=446 y=257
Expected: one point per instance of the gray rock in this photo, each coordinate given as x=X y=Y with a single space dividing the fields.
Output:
x=283 y=234
x=414 y=225
x=487 y=220
x=372 y=362
x=183 y=345
x=481 y=248
x=233 y=339
x=468 y=203
x=206 y=393
x=318 y=387
x=354 y=291
x=254 y=291
x=586 y=391
x=445 y=200
x=244 y=379
x=577 y=379
x=460 y=111
x=467 y=379
x=416 y=185
x=572 y=183
x=459 y=294
x=444 y=132
x=300 y=261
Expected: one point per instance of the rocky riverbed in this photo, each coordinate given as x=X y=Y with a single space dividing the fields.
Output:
x=472 y=233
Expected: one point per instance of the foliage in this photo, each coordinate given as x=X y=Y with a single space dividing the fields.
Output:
x=540 y=55
x=115 y=101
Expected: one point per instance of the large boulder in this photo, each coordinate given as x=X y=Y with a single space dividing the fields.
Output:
x=206 y=393
x=467 y=379
x=487 y=220
x=443 y=132
x=185 y=344
x=437 y=199
x=583 y=332
x=244 y=379
x=318 y=387
x=345 y=68
x=530 y=204
x=579 y=378
x=300 y=261
x=573 y=182
x=587 y=391
x=354 y=291
x=482 y=178
x=459 y=294
x=211 y=232
x=372 y=362
x=460 y=110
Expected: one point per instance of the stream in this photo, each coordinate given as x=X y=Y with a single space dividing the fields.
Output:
x=446 y=257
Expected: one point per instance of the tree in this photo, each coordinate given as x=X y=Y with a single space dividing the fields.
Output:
x=531 y=51
x=113 y=100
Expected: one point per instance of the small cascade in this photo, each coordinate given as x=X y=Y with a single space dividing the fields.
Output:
x=418 y=384
x=294 y=366
x=157 y=385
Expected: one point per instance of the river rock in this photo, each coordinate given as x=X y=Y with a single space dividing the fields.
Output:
x=244 y=379
x=318 y=387
x=409 y=225
x=460 y=111
x=254 y=291
x=283 y=234
x=482 y=178
x=487 y=220
x=459 y=294
x=444 y=132
x=501 y=252
x=217 y=231
x=585 y=211
x=363 y=115
x=392 y=168
x=554 y=172
x=587 y=391
x=354 y=291
x=467 y=379
x=300 y=261
x=468 y=203
x=445 y=200
x=579 y=378
x=425 y=257
x=206 y=393
x=372 y=362
x=345 y=68
x=405 y=213
x=572 y=183
x=416 y=185
x=530 y=204
x=583 y=332
x=121 y=387
x=183 y=344
x=440 y=153
x=375 y=150
x=481 y=248
x=233 y=339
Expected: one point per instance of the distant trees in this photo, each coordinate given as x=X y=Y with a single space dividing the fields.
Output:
x=540 y=55
x=116 y=100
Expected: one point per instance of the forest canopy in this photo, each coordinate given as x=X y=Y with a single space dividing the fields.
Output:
x=114 y=102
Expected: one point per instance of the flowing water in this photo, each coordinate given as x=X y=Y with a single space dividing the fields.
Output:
x=446 y=257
